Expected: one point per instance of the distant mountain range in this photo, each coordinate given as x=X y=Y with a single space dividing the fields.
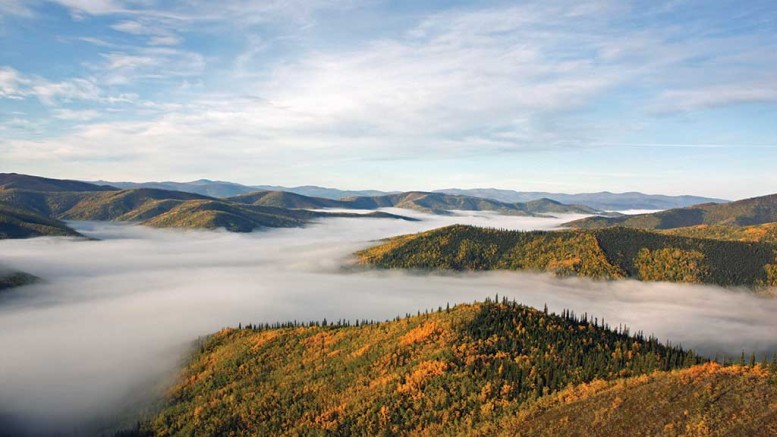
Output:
x=601 y=201
x=33 y=206
x=228 y=189
x=604 y=200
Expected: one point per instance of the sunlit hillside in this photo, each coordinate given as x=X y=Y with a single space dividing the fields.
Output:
x=476 y=368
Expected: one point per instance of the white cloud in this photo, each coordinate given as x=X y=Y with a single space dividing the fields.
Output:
x=14 y=85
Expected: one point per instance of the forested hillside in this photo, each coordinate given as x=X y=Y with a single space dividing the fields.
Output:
x=747 y=212
x=22 y=223
x=611 y=253
x=456 y=371
x=704 y=400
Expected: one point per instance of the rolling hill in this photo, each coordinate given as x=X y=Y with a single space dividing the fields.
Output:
x=432 y=203
x=601 y=201
x=611 y=253
x=747 y=212
x=27 y=210
x=467 y=370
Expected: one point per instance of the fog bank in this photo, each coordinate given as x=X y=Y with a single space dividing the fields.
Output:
x=114 y=317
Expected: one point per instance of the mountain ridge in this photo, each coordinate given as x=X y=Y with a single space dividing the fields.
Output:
x=604 y=200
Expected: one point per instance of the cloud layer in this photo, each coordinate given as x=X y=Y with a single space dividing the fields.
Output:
x=100 y=338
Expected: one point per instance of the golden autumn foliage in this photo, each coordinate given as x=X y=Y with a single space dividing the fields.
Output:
x=671 y=264
x=704 y=400
x=766 y=233
x=474 y=369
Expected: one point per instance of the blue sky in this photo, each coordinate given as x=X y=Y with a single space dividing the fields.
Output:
x=675 y=97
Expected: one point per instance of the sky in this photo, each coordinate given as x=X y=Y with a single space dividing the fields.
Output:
x=672 y=97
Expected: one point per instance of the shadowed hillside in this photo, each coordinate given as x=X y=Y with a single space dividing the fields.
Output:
x=602 y=254
x=21 y=223
x=449 y=372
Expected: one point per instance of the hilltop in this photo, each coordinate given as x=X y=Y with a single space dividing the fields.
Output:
x=449 y=372
x=611 y=253
x=747 y=212
x=467 y=370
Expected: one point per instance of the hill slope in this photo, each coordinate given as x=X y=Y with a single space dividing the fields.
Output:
x=602 y=254
x=447 y=372
x=704 y=400
x=603 y=200
x=754 y=211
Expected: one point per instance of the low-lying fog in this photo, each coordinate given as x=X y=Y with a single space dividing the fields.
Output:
x=115 y=317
